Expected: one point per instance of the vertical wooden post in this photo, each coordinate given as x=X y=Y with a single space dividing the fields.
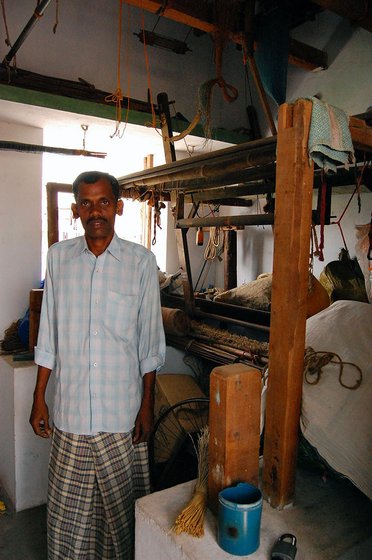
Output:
x=234 y=428
x=294 y=185
x=229 y=259
x=181 y=234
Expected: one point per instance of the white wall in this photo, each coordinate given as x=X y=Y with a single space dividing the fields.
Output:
x=85 y=45
x=20 y=219
x=347 y=83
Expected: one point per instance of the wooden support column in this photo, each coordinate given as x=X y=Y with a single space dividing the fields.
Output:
x=229 y=259
x=294 y=181
x=234 y=427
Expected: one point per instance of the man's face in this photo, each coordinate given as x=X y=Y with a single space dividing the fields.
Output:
x=97 y=207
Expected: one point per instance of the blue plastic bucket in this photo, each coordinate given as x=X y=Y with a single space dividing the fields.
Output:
x=239 y=519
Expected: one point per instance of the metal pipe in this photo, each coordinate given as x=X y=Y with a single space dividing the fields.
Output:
x=221 y=221
x=9 y=145
x=224 y=319
x=233 y=190
x=38 y=13
x=211 y=164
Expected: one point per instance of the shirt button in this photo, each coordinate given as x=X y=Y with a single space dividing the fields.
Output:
x=95 y=364
x=95 y=333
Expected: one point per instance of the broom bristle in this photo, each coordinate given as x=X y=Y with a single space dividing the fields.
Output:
x=191 y=518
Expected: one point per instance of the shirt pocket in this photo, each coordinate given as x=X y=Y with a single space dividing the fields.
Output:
x=121 y=312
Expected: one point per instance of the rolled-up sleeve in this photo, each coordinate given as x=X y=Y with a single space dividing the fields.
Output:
x=45 y=350
x=151 y=346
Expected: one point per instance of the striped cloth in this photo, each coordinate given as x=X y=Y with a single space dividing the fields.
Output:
x=93 y=484
x=329 y=143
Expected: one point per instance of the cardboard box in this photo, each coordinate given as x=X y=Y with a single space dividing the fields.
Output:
x=170 y=389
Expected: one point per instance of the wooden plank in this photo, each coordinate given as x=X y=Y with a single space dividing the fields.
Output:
x=234 y=427
x=189 y=12
x=361 y=134
x=52 y=209
x=356 y=11
x=306 y=56
x=293 y=211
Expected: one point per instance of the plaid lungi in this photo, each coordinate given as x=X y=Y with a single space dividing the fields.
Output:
x=93 y=483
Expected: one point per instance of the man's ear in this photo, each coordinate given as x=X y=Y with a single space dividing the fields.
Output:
x=74 y=210
x=120 y=207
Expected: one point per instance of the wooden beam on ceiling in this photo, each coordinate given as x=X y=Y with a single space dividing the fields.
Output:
x=199 y=15
x=190 y=12
x=356 y=11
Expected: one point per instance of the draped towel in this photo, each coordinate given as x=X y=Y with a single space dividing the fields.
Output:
x=330 y=141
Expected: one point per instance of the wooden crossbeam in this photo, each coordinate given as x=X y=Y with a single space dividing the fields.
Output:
x=199 y=15
x=361 y=134
x=356 y=11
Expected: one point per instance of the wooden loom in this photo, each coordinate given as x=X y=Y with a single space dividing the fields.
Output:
x=247 y=169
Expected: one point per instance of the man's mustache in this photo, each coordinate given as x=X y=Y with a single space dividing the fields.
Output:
x=97 y=220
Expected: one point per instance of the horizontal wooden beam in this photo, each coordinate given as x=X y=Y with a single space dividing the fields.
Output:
x=361 y=134
x=199 y=15
x=189 y=12
x=356 y=11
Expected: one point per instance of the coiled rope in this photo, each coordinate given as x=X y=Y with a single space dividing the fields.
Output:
x=316 y=361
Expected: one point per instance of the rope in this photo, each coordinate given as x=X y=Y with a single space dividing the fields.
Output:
x=149 y=88
x=188 y=130
x=117 y=96
x=356 y=190
x=315 y=362
x=214 y=240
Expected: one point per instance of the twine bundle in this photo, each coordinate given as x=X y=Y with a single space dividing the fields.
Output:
x=191 y=518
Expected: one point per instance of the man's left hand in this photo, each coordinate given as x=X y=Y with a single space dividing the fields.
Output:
x=143 y=424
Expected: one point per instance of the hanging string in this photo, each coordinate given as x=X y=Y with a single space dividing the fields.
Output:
x=247 y=81
x=356 y=190
x=117 y=96
x=7 y=39
x=149 y=88
x=57 y=17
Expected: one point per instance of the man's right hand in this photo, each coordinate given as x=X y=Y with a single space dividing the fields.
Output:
x=39 y=418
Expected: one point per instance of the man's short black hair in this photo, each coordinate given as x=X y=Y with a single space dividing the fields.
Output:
x=91 y=177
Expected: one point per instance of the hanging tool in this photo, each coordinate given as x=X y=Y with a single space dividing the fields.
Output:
x=199 y=236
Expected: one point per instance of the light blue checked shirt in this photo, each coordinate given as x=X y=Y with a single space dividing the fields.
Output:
x=100 y=331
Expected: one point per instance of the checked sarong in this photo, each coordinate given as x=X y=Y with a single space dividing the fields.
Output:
x=93 y=484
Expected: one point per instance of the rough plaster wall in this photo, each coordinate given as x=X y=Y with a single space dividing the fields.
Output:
x=20 y=216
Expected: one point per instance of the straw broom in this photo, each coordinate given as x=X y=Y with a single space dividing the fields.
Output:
x=191 y=518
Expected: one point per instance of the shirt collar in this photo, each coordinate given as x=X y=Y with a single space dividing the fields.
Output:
x=113 y=248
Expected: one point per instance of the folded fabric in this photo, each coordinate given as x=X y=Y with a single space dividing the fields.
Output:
x=330 y=141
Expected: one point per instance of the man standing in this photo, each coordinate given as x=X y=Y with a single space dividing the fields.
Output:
x=101 y=335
